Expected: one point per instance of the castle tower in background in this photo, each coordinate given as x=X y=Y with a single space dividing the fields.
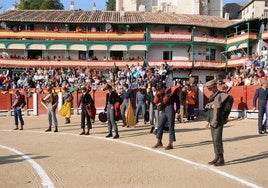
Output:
x=202 y=7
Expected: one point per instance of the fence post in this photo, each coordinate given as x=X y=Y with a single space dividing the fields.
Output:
x=35 y=104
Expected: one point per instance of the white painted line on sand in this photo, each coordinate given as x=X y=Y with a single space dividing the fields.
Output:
x=45 y=180
x=213 y=169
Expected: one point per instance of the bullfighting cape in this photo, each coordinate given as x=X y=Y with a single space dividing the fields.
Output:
x=65 y=110
x=130 y=118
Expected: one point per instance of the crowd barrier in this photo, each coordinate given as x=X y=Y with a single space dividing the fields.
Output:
x=243 y=100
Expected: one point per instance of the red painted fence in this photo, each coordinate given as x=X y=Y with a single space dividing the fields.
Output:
x=243 y=99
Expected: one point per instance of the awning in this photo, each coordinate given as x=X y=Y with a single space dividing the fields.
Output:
x=2 y=46
x=232 y=48
x=243 y=45
x=138 y=48
x=16 y=46
x=36 y=47
x=118 y=47
x=98 y=47
x=78 y=47
x=57 y=47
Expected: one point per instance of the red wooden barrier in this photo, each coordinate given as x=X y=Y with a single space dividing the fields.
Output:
x=243 y=98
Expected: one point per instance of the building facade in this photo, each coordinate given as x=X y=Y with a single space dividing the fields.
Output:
x=201 y=45
x=201 y=7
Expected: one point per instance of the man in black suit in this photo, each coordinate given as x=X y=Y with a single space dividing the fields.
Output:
x=262 y=95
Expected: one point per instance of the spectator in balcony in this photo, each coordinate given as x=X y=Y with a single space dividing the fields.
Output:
x=56 y=29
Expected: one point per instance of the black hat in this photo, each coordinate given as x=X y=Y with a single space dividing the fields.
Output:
x=103 y=117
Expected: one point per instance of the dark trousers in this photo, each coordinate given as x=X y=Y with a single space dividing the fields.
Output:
x=261 y=123
x=111 y=119
x=216 y=134
x=167 y=116
x=84 y=117
x=190 y=112
x=18 y=117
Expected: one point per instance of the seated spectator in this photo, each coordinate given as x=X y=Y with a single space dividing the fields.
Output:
x=255 y=80
x=240 y=82
x=229 y=83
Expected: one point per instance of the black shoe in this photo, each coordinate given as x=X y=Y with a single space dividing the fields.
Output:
x=56 y=130
x=49 y=129
x=116 y=136
x=169 y=147
x=82 y=133
x=145 y=122
x=155 y=131
x=152 y=130
x=109 y=135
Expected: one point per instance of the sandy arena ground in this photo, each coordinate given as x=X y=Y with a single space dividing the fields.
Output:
x=34 y=158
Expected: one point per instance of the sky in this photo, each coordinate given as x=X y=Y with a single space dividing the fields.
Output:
x=82 y=4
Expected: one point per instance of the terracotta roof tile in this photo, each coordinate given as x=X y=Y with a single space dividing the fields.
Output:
x=65 y=16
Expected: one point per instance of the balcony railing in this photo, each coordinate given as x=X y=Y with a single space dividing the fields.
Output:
x=241 y=38
x=265 y=35
x=170 y=36
x=210 y=39
x=52 y=35
x=104 y=64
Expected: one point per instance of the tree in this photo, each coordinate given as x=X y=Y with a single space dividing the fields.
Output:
x=111 y=5
x=39 y=4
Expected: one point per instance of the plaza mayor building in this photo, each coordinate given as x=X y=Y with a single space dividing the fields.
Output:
x=201 y=45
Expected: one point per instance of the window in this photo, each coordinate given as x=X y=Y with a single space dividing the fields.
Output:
x=265 y=13
x=210 y=54
x=167 y=29
x=266 y=3
x=166 y=55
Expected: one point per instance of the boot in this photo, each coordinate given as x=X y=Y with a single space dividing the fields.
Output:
x=87 y=133
x=109 y=135
x=170 y=146
x=49 y=129
x=220 y=161
x=158 y=144
x=56 y=130
x=83 y=132
x=16 y=128
x=214 y=160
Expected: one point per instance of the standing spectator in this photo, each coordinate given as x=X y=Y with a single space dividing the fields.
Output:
x=215 y=121
x=86 y=101
x=111 y=98
x=153 y=111
x=261 y=94
x=190 y=101
x=51 y=102
x=127 y=97
x=141 y=100
x=18 y=104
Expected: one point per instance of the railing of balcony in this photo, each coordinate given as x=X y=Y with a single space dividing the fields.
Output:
x=104 y=64
x=177 y=36
x=128 y=36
